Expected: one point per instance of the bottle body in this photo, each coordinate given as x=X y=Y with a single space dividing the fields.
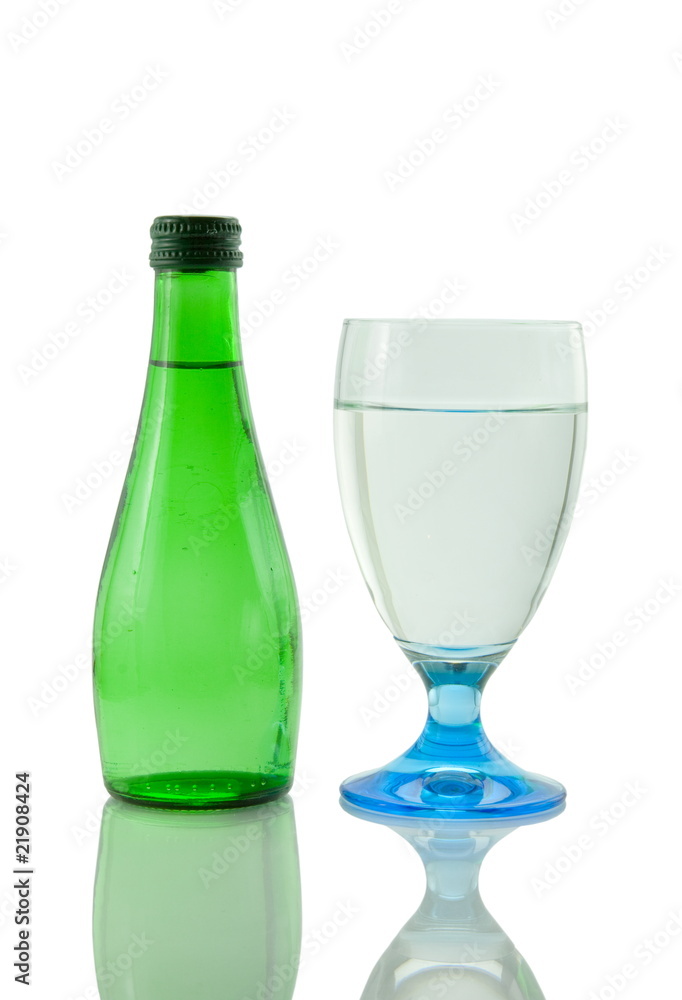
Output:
x=196 y=665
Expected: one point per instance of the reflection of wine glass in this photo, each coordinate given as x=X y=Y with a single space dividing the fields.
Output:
x=459 y=446
x=451 y=948
x=199 y=905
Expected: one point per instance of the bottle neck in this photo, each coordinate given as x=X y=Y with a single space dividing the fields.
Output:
x=196 y=320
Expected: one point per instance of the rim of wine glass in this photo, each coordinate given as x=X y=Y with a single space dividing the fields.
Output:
x=548 y=324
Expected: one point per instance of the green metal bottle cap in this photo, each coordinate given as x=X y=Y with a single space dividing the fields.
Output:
x=195 y=243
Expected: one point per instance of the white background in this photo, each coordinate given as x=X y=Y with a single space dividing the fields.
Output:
x=357 y=103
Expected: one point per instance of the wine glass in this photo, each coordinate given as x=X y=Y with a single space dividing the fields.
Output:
x=459 y=447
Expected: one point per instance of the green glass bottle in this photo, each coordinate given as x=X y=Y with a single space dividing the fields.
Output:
x=196 y=641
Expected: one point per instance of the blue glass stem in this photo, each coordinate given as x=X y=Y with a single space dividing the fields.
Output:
x=453 y=730
x=453 y=770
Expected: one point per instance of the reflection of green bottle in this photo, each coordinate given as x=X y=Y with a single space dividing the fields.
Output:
x=202 y=906
x=196 y=663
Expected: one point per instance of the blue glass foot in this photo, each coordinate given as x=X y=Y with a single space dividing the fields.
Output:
x=453 y=793
x=453 y=772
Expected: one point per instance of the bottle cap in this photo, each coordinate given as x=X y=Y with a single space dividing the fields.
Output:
x=195 y=243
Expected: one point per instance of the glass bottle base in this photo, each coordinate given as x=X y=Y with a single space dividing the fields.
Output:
x=199 y=789
x=450 y=792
